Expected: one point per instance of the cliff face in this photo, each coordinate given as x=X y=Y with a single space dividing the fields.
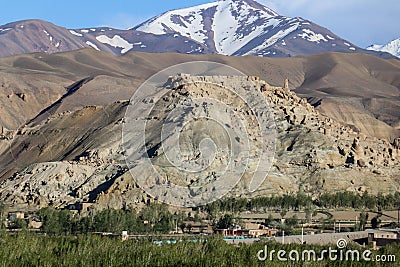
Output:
x=319 y=155
x=79 y=156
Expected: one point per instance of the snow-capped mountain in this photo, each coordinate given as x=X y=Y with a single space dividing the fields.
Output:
x=224 y=26
x=228 y=27
x=245 y=27
x=392 y=47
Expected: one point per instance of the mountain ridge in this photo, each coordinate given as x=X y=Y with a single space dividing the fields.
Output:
x=223 y=27
x=227 y=27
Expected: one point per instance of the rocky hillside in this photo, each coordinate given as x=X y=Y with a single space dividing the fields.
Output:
x=78 y=157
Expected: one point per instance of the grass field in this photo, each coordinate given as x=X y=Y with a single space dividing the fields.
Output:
x=26 y=249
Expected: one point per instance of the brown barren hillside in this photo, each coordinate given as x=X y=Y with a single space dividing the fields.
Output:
x=358 y=90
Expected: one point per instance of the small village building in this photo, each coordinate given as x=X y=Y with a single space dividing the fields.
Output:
x=383 y=237
x=257 y=231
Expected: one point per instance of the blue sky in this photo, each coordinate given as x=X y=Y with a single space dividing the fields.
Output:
x=362 y=22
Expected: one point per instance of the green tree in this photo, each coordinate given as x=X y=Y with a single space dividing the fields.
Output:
x=182 y=226
x=269 y=220
x=309 y=213
x=161 y=220
x=84 y=225
x=164 y=225
x=18 y=224
x=225 y=222
x=2 y=214
x=189 y=227
x=292 y=222
x=283 y=213
x=197 y=216
x=363 y=220
x=114 y=221
x=56 y=221
x=375 y=222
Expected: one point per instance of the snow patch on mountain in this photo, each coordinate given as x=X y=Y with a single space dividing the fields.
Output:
x=233 y=25
x=275 y=38
x=89 y=43
x=116 y=41
x=48 y=35
x=392 y=47
x=311 y=36
x=75 y=33
x=375 y=47
x=5 y=30
x=188 y=22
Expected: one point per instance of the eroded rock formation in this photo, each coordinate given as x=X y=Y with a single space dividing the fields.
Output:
x=313 y=152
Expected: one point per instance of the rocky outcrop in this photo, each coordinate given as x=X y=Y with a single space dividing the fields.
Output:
x=322 y=155
x=312 y=151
